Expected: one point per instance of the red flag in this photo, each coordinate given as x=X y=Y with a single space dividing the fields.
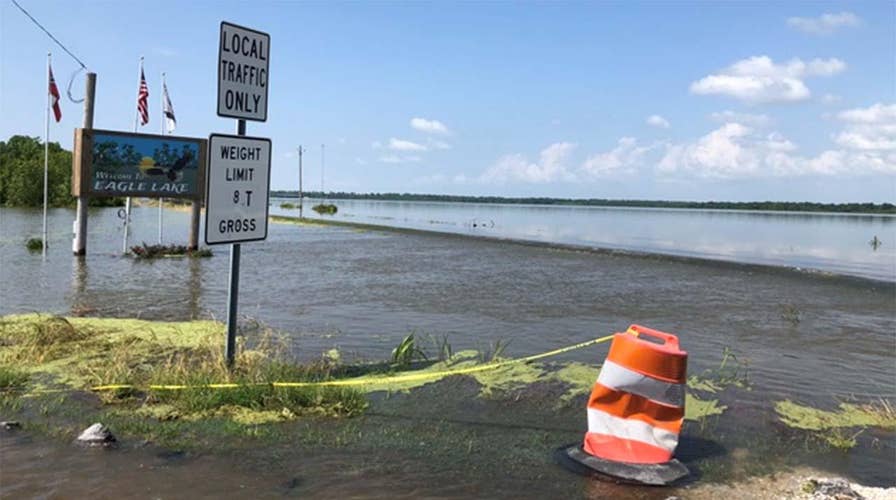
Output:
x=54 y=97
x=142 y=96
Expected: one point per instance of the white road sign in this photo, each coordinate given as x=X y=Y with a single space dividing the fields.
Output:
x=243 y=63
x=237 y=189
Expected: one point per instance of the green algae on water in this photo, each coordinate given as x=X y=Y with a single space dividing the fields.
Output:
x=799 y=416
x=831 y=426
x=697 y=409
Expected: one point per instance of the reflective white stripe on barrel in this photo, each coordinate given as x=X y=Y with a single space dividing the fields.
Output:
x=619 y=378
x=600 y=422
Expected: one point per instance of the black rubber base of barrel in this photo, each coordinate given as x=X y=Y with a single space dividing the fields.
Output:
x=575 y=459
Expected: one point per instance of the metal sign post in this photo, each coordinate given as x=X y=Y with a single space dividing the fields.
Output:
x=234 y=290
x=239 y=170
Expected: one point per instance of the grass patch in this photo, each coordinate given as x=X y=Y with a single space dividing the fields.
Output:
x=80 y=353
x=11 y=378
x=288 y=206
x=34 y=244
x=37 y=339
x=144 y=251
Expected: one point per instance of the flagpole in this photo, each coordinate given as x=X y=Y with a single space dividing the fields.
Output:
x=46 y=156
x=127 y=202
x=162 y=127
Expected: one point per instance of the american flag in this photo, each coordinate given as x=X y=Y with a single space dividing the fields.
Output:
x=54 y=94
x=142 y=97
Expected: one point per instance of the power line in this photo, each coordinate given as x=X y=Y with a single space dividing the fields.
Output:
x=83 y=66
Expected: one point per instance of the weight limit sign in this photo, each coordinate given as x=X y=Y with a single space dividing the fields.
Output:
x=238 y=188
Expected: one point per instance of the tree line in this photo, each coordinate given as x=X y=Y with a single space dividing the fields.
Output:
x=22 y=171
x=22 y=175
x=777 y=206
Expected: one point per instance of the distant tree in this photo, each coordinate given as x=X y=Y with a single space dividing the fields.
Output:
x=776 y=206
x=22 y=174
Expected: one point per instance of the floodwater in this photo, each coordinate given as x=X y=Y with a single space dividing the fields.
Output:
x=812 y=338
x=837 y=243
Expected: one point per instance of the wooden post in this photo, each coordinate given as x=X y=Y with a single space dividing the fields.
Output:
x=194 y=224
x=196 y=203
x=79 y=243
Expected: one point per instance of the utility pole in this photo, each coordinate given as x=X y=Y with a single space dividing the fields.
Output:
x=301 y=195
x=79 y=243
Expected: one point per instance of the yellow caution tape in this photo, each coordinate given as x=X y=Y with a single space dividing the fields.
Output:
x=349 y=382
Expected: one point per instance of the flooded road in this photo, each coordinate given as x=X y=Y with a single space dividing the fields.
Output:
x=362 y=291
x=831 y=242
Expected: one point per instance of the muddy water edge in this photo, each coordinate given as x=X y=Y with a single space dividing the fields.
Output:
x=813 y=339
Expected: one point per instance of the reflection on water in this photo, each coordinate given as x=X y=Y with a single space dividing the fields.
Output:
x=839 y=243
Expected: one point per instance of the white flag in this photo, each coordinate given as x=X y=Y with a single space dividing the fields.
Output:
x=168 y=111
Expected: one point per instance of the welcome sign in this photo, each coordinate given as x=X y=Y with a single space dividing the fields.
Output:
x=123 y=164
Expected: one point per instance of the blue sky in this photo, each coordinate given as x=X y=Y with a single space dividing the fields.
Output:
x=649 y=100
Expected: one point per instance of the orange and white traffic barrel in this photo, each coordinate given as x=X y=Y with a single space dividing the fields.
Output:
x=636 y=409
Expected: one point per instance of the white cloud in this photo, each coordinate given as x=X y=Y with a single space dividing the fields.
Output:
x=720 y=153
x=403 y=145
x=755 y=120
x=399 y=159
x=429 y=126
x=434 y=144
x=777 y=142
x=736 y=151
x=824 y=24
x=871 y=129
x=830 y=98
x=624 y=158
x=876 y=113
x=657 y=121
x=517 y=168
x=760 y=79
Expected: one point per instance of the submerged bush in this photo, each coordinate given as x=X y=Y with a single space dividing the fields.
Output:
x=34 y=244
x=287 y=205
x=325 y=208
x=145 y=251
